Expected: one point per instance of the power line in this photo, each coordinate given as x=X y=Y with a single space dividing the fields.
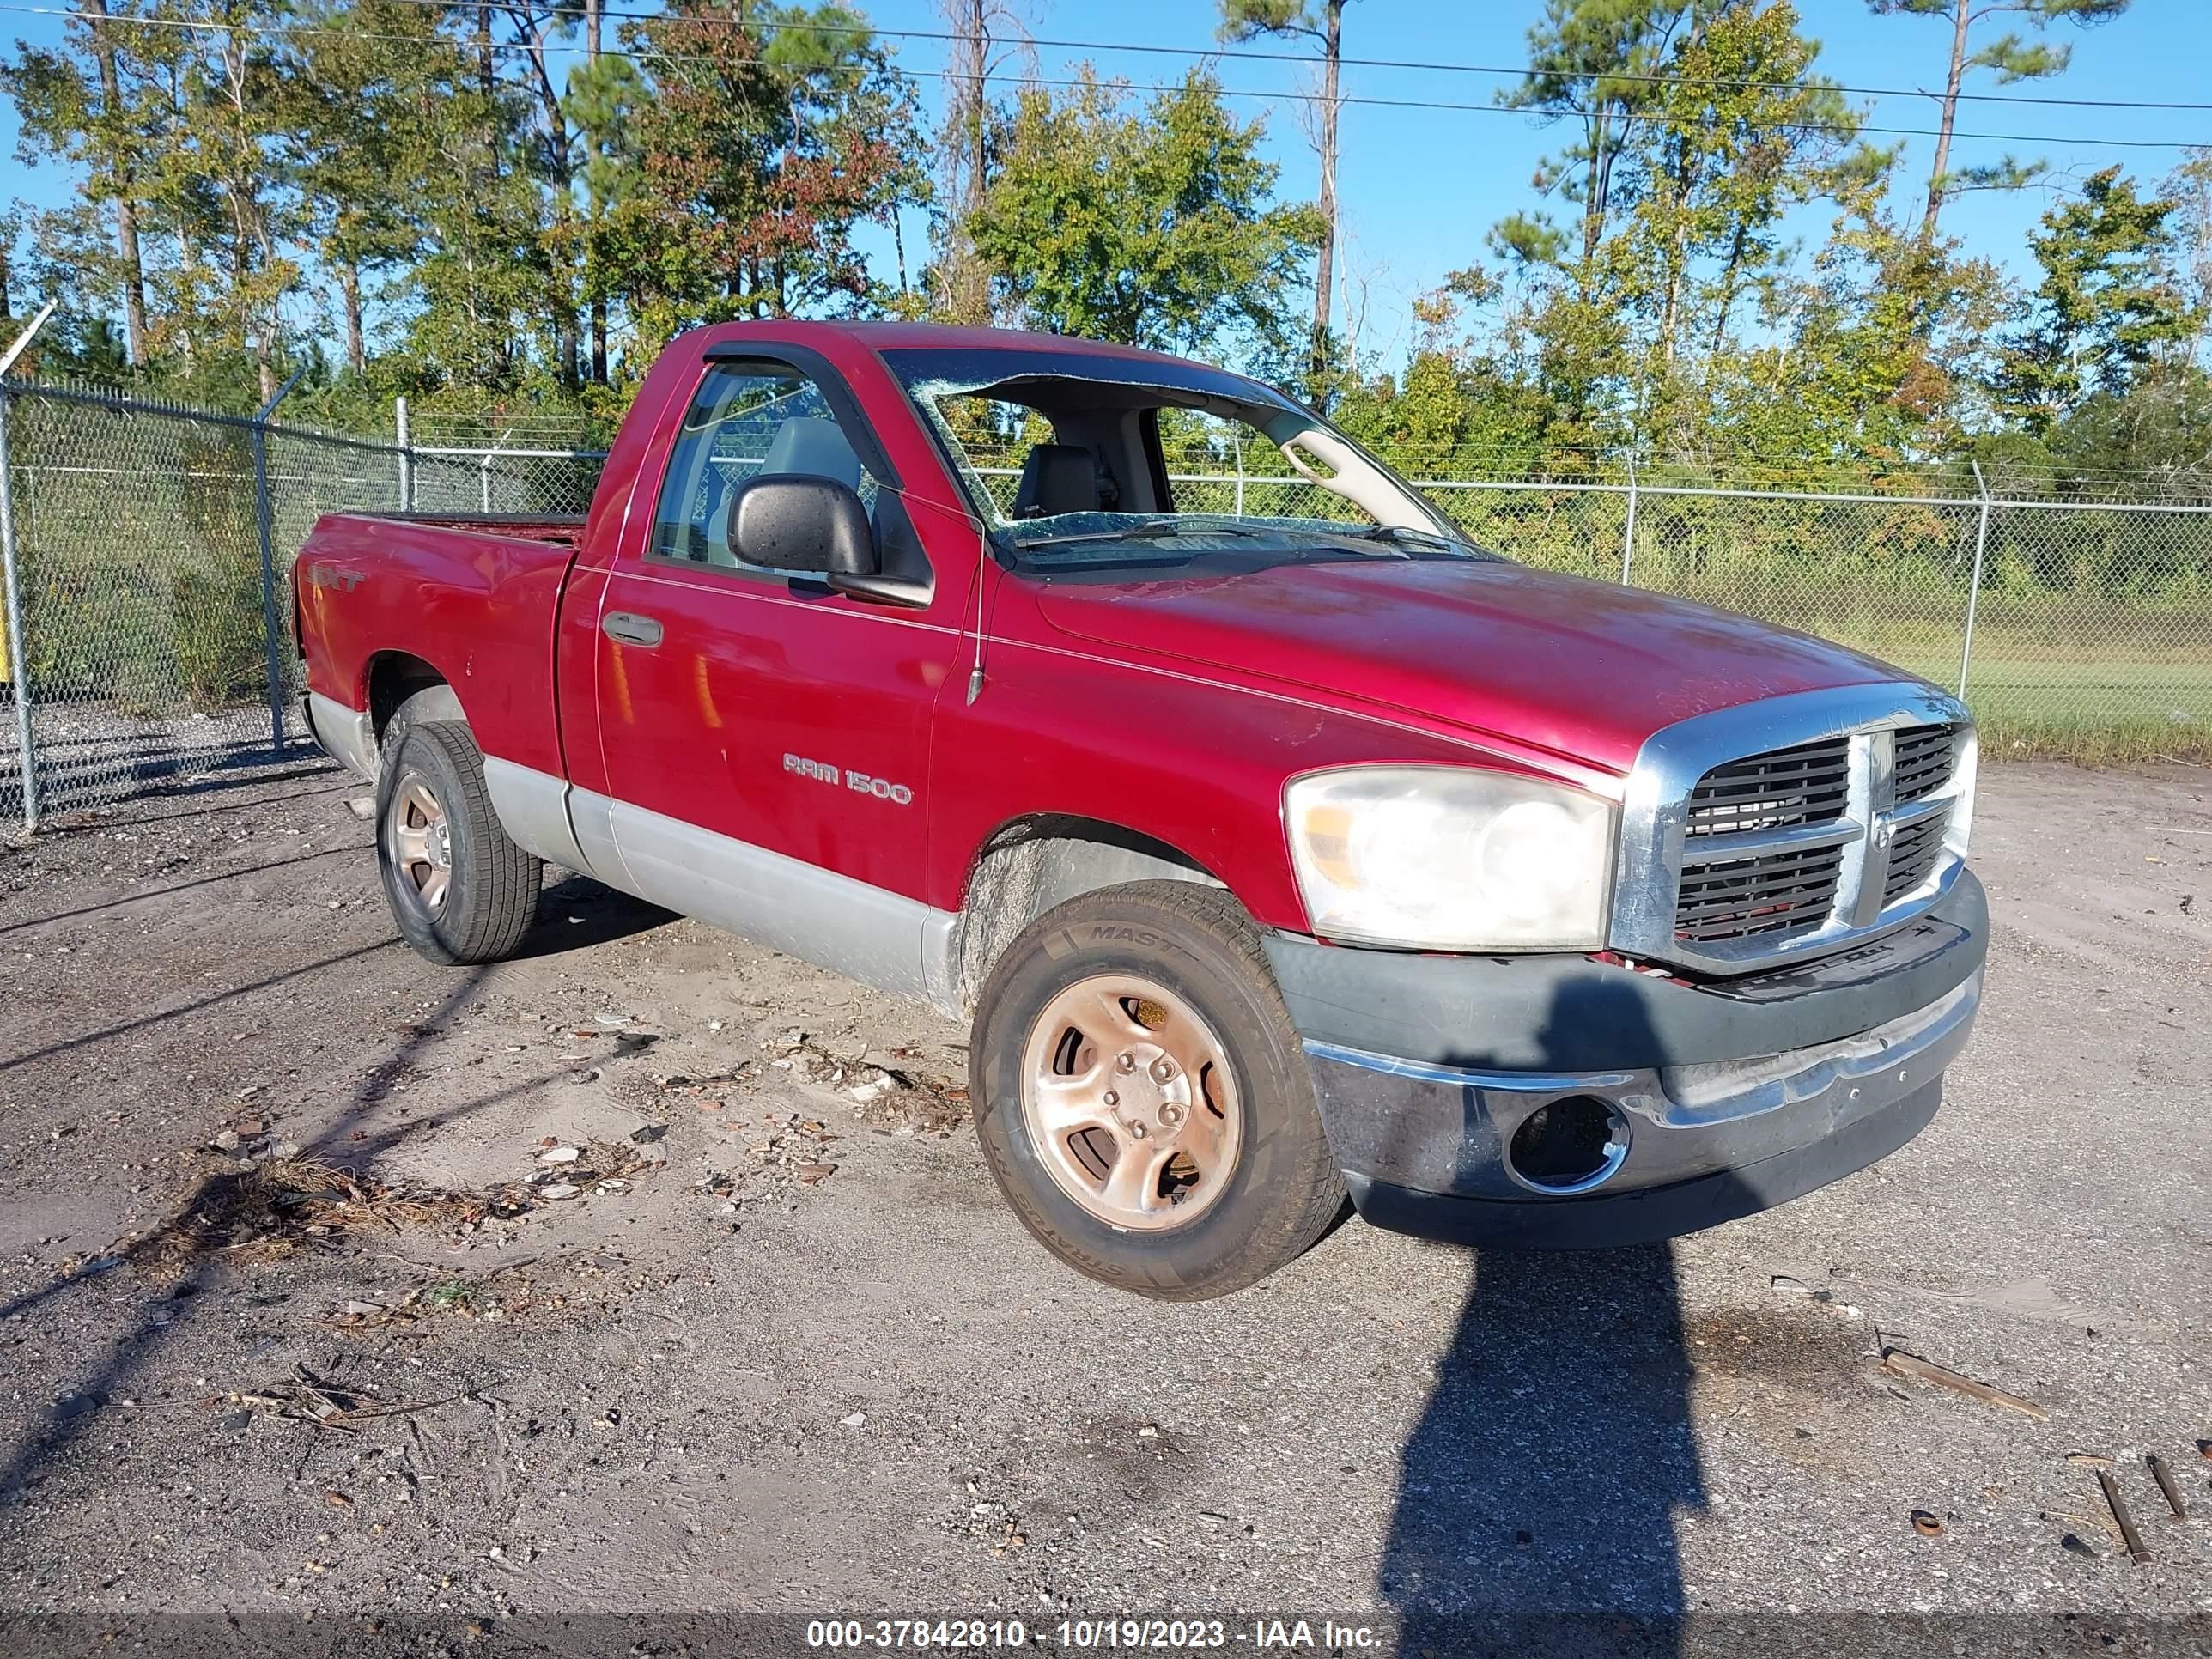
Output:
x=276 y=31
x=1262 y=55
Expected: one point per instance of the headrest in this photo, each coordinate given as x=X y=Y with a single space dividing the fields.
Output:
x=807 y=444
x=1057 y=478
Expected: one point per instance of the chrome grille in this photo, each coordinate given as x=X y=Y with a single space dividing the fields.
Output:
x=1913 y=851
x=1922 y=763
x=1803 y=785
x=1767 y=895
x=1841 y=824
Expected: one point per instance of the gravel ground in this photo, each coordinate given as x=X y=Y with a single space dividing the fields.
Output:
x=785 y=1349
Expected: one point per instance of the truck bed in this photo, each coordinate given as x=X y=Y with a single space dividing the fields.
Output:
x=559 y=528
x=471 y=598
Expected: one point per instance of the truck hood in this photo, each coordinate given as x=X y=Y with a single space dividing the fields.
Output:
x=1583 y=668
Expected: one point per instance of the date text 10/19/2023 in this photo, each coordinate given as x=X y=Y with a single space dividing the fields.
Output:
x=1101 y=1635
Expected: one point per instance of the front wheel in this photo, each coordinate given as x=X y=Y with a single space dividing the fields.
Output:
x=460 y=890
x=1145 y=1103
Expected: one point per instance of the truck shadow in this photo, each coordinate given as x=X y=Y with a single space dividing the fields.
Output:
x=1539 y=1491
x=576 y=913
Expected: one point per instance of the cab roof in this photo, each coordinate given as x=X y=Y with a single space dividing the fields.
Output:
x=941 y=336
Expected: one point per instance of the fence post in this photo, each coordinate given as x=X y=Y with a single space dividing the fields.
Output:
x=263 y=517
x=1974 y=591
x=19 y=667
x=1628 y=537
x=406 y=456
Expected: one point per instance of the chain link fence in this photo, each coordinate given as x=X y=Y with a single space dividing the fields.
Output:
x=148 y=550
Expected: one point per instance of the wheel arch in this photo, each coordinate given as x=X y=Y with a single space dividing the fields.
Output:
x=1031 y=864
x=391 y=677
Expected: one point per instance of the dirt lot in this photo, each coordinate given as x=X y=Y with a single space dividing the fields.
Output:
x=294 y=1319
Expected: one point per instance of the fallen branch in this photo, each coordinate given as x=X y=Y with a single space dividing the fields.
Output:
x=1896 y=1360
x=306 y=1398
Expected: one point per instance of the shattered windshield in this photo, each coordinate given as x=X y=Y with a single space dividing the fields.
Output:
x=1095 y=462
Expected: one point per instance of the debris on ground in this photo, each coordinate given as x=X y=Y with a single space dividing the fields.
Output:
x=993 y=1521
x=1785 y=1284
x=597 y=1166
x=2163 y=1474
x=454 y=1296
x=788 y=1152
x=304 y=1397
x=1901 y=1363
x=2128 y=1535
x=2073 y=1544
x=277 y=1204
x=1927 y=1525
x=889 y=1099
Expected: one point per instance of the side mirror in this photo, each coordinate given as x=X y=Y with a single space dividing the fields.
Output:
x=796 y=521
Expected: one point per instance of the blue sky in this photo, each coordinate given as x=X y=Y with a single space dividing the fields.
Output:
x=1419 y=187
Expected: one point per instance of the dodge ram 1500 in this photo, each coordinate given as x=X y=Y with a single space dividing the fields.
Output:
x=1276 y=853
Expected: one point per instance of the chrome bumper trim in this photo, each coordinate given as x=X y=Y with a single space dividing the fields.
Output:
x=1443 y=1129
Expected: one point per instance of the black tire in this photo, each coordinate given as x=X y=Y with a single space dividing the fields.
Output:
x=1196 y=942
x=490 y=897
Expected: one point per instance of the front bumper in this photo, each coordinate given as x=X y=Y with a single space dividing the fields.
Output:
x=1730 y=1097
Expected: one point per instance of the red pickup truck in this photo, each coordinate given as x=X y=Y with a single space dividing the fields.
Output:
x=1273 y=857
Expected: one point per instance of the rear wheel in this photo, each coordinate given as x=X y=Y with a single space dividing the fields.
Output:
x=460 y=890
x=1144 y=1101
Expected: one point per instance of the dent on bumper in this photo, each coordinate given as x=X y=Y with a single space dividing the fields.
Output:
x=1423 y=1147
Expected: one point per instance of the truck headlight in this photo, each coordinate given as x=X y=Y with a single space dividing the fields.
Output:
x=1444 y=859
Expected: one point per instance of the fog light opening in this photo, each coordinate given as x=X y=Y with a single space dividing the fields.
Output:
x=1569 y=1145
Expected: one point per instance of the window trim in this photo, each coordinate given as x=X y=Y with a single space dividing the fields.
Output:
x=809 y=366
x=835 y=390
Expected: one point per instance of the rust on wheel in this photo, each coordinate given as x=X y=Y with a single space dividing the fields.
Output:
x=418 y=838
x=1128 y=1096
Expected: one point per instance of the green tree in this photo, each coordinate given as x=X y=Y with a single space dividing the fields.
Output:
x=68 y=254
x=2108 y=305
x=1152 y=226
x=220 y=185
x=352 y=94
x=605 y=93
x=1877 y=354
x=2189 y=186
x=472 y=298
x=1322 y=22
x=763 y=148
x=983 y=33
x=2011 y=57
x=11 y=233
x=1591 y=62
x=92 y=105
x=1739 y=134
x=550 y=150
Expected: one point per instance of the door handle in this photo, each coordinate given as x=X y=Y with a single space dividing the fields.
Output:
x=630 y=629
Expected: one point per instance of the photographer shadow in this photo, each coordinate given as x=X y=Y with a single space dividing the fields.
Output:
x=1539 y=1491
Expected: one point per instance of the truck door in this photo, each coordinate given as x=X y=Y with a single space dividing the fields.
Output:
x=766 y=739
